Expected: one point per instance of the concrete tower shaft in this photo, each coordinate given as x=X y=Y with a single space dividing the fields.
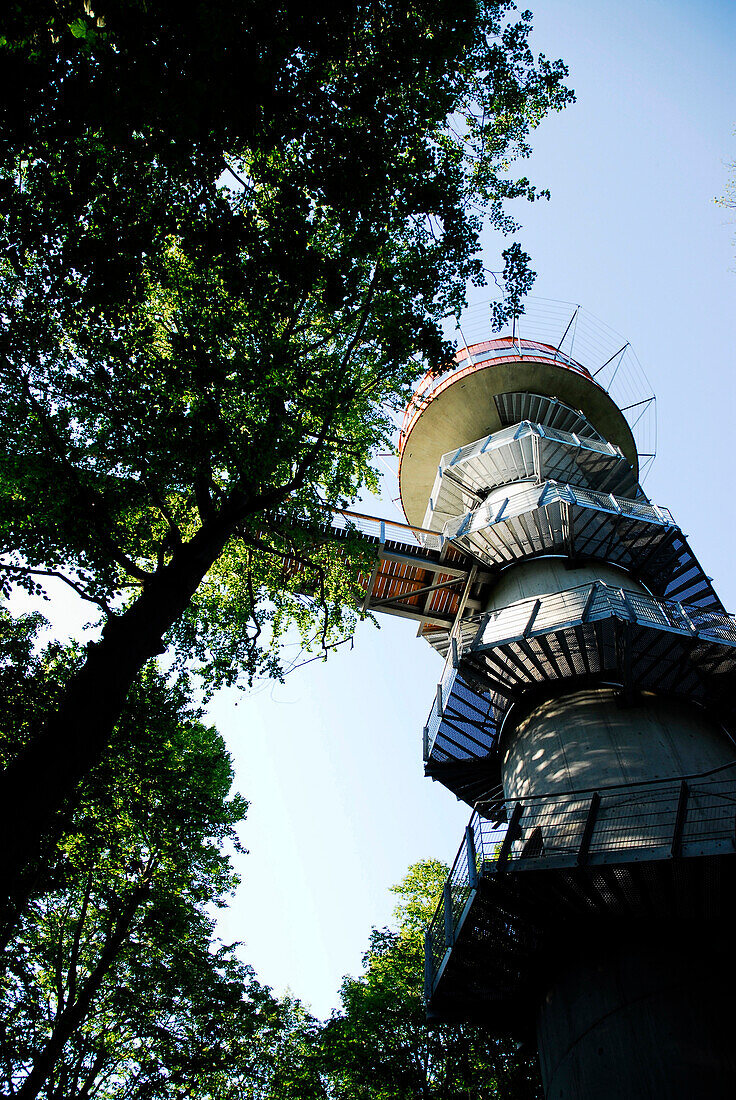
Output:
x=583 y=710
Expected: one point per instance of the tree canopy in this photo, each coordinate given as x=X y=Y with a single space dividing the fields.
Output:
x=228 y=239
x=378 y=1044
x=112 y=984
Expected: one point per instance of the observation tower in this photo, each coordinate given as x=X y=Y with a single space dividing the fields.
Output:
x=586 y=712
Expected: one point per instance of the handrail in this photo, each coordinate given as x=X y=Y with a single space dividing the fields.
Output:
x=681 y=819
x=538 y=497
x=617 y=786
x=387 y=522
x=631 y=599
x=431 y=382
x=521 y=430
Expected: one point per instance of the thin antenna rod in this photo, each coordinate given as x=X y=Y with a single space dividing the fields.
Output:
x=619 y=352
x=562 y=341
x=645 y=401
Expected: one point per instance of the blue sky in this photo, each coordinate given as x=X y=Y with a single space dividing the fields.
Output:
x=331 y=761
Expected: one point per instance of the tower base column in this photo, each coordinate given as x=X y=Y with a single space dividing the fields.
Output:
x=645 y=1017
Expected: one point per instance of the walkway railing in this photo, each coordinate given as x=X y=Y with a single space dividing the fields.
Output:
x=525 y=429
x=467 y=360
x=687 y=816
x=382 y=530
x=591 y=602
x=552 y=492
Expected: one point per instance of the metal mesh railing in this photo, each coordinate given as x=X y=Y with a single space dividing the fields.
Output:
x=518 y=453
x=590 y=602
x=444 y=689
x=578 y=340
x=551 y=492
x=484 y=352
x=515 y=407
x=682 y=817
x=385 y=530
x=520 y=431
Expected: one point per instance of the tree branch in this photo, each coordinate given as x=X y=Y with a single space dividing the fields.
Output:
x=83 y=491
x=266 y=500
x=99 y=601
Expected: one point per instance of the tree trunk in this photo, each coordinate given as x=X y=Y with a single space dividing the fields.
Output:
x=44 y=780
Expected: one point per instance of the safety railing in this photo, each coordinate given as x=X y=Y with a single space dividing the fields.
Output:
x=520 y=431
x=384 y=530
x=510 y=346
x=476 y=356
x=663 y=819
x=521 y=452
x=444 y=689
x=551 y=492
x=588 y=603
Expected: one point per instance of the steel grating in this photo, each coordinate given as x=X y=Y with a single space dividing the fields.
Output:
x=417 y=574
x=462 y=722
x=554 y=518
x=515 y=407
x=493 y=974
x=584 y=635
x=522 y=452
x=595 y=630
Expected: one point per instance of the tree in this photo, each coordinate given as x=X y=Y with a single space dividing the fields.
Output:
x=113 y=986
x=191 y=371
x=378 y=1045
x=728 y=200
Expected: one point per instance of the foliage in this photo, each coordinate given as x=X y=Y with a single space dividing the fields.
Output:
x=240 y=369
x=728 y=199
x=113 y=986
x=195 y=367
x=379 y=1045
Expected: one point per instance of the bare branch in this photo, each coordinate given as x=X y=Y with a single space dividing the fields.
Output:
x=99 y=601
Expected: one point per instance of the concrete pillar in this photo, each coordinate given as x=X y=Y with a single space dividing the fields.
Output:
x=547 y=576
x=628 y=1015
x=590 y=739
x=649 y=1017
x=586 y=741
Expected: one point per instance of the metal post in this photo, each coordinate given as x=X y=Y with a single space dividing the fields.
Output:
x=588 y=828
x=471 y=857
x=532 y=617
x=512 y=834
x=676 y=846
x=428 y=965
x=537 y=457
x=501 y=510
x=465 y=525
x=627 y=605
x=449 y=922
x=688 y=621
x=589 y=602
